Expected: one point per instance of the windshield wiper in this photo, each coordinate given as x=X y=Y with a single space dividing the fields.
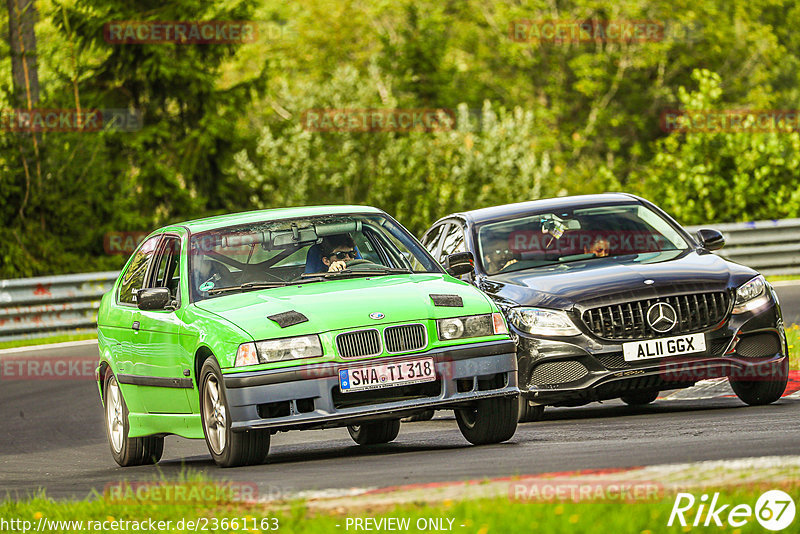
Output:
x=247 y=286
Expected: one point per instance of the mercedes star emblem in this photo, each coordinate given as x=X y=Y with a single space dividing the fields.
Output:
x=662 y=317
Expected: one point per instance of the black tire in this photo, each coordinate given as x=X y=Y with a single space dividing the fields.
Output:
x=640 y=398
x=427 y=415
x=227 y=448
x=760 y=392
x=489 y=420
x=528 y=413
x=126 y=451
x=375 y=433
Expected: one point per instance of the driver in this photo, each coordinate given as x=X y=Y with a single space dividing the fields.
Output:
x=497 y=255
x=337 y=249
x=600 y=248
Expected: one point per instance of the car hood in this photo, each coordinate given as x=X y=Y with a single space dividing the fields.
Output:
x=344 y=304
x=610 y=280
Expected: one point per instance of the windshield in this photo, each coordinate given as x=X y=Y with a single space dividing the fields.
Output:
x=542 y=239
x=289 y=251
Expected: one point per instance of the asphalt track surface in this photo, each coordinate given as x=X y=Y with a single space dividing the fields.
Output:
x=53 y=438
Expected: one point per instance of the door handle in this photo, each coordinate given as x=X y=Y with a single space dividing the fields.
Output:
x=135 y=325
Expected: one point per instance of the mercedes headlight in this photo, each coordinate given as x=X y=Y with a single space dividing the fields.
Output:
x=751 y=295
x=542 y=322
x=471 y=326
x=276 y=350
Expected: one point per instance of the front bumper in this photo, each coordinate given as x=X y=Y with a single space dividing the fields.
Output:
x=308 y=396
x=586 y=369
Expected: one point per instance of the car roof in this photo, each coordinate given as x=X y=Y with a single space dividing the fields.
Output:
x=521 y=208
x=249 y=217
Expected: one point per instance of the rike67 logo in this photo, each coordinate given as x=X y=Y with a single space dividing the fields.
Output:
x=774 y=510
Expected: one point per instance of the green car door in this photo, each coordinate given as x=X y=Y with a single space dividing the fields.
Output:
x=161 y=373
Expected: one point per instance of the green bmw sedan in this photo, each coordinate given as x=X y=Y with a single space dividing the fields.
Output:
x=234 y=327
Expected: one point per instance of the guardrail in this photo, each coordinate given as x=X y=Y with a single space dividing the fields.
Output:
x=771 y=247
x=38 y=307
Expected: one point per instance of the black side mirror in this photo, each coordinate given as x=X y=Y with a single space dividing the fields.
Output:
x=459 y=263
x=710 y=238
x=154 y=298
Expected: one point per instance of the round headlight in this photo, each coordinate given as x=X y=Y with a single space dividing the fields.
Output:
x=451 y=328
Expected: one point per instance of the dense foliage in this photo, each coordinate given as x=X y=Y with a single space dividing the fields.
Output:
x=223 y=124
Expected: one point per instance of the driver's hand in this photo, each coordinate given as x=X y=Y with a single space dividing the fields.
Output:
x=338 y=265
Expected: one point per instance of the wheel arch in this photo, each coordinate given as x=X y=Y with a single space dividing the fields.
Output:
x=200 y=356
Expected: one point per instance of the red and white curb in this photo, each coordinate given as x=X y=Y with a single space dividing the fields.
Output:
x=719 y=388
x=666 y=478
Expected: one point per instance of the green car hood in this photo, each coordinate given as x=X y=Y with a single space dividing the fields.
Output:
x=343 y=304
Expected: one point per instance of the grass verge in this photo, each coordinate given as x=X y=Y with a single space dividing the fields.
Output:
x=58 y=338
x=479 y=516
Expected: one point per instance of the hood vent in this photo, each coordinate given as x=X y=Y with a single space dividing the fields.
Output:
x=288 y=318
x=447 y=301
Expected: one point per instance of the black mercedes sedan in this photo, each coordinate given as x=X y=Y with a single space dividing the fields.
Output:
x=609 y=297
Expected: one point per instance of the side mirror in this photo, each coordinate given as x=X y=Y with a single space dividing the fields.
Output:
x=154 y=298
x=459 y=263
x=710 y=238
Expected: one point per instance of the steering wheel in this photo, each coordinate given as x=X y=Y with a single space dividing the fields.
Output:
x=364 y=265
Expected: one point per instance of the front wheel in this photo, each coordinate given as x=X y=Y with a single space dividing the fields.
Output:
x=375 y=433
x=489 y=420
x=228 y=448
x=529 y=413
x=126 y=451
x=640 y=398
x=760 y=391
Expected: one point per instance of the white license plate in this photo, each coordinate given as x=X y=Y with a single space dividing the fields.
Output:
x=635 y=351
x=386 y=375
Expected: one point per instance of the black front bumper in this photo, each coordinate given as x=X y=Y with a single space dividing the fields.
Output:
x=306 y=397
x=583 y=369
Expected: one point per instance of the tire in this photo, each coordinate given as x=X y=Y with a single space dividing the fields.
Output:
x=427 y=415
x=760 y=392
x=528 y=413
x=126 y=451
x=489 y=420
x=375 y=433
x=227 y=448
x=640 y=398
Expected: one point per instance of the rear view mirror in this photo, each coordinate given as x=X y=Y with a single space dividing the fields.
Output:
x=711 y=239
x=459 y=263
x=154 y=298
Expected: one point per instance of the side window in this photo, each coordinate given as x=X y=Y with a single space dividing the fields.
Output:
x=133 y=279
x=167 y=274
x=431 y=239
x=453 y=241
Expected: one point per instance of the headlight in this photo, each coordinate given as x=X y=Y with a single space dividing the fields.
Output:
x=276 y=350
x=543 y=322
x=471 y=326
x=751 y=296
